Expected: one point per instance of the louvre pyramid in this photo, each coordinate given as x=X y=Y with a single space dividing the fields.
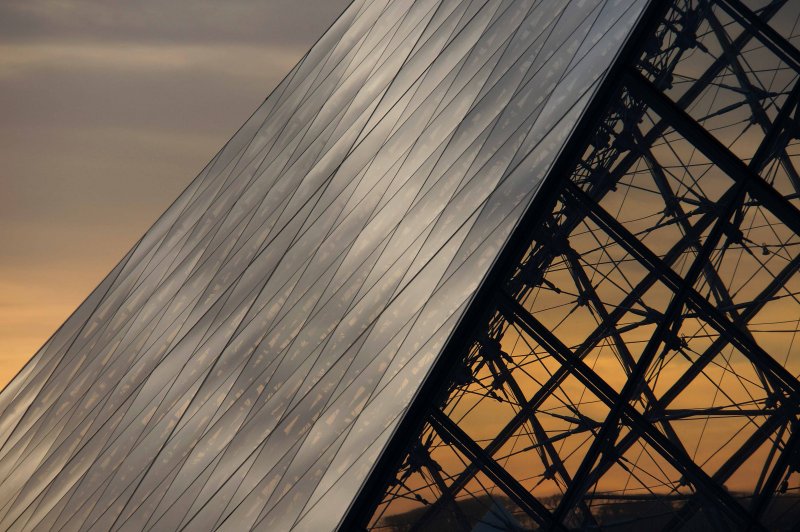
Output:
x=246 y=362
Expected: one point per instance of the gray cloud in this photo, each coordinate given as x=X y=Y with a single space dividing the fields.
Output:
x=286 y=22
x=169 y=86
x=110 y=107
x=120 y=103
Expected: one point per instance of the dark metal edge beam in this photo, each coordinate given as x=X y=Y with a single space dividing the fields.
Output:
x=451 y=433
x=372 y=491
x=681 y=461
x=762 y=31
x=716 y=152
x=714 y=317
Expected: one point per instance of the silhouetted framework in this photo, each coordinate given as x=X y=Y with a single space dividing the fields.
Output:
x=631 y=360
x=248 y=360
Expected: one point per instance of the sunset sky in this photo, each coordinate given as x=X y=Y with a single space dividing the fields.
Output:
x=646 y=269
x=108 y=110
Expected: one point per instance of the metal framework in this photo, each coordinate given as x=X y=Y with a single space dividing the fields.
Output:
x=632 y=358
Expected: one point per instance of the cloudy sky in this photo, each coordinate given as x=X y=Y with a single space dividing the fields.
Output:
x=109 y=108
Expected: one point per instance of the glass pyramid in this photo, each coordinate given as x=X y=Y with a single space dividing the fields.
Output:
x=245 y=364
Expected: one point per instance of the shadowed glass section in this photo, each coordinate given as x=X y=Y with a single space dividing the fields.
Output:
x=245 y=363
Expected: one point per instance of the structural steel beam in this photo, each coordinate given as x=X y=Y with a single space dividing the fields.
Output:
x=542 y=256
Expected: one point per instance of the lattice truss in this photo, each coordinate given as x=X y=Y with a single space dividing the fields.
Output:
x=637 y=365
x=247 y=361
